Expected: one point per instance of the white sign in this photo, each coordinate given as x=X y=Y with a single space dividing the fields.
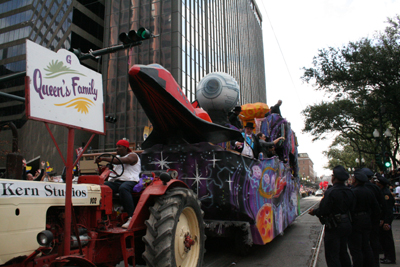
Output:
x=42 y=190
x=62 y=91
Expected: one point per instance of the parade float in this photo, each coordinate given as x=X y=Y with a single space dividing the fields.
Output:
x=250 y=200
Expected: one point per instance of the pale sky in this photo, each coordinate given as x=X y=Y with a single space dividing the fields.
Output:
x=301 y=28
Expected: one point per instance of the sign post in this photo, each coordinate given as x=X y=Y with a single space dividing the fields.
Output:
x=59 y=90
x=68 y=192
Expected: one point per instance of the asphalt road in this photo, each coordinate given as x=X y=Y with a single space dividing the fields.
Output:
x=293 y=248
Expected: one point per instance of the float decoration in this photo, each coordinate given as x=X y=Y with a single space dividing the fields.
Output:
x=252 y=111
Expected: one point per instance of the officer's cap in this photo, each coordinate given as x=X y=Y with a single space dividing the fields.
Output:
x=340 y=173
x=382 y=180
x=367 y=172
x=360 y=176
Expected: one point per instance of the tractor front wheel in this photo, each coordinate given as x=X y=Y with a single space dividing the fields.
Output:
x=175 y=231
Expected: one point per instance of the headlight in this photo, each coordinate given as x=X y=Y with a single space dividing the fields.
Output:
x=44 y=238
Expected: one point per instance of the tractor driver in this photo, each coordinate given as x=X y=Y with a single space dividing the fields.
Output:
x=130 y=177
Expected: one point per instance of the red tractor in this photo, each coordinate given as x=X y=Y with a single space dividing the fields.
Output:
x=166 y=229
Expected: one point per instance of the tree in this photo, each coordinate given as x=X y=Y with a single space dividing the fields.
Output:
x=363 y=78
x=340 y=153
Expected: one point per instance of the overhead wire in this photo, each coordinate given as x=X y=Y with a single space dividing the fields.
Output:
x=283 y=56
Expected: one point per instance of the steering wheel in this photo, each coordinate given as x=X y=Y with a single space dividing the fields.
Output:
x=110 y=165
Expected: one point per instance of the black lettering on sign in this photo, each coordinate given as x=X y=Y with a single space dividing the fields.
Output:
x=93 y=200
x=49 y=192
x=7 y=188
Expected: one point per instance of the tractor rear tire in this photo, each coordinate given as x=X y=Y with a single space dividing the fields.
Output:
x=174 y=218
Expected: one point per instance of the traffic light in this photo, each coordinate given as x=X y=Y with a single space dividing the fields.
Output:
x=133 y=36
x=111 y=119
x=144 y=33
x=387 y=162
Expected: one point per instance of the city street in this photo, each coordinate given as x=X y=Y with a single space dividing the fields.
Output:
x=198 y=133
x=293 y=248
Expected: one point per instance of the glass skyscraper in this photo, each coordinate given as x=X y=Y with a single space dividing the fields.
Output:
x=53 y=24
x=194 y=38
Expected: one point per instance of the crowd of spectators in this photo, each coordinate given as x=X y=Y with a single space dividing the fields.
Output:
x=42 y=174
x=393 y=175
x=307 y=191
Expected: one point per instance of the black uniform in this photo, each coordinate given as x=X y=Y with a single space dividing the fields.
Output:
x=375 y=220
x=276 y=109
x=359 y=240
x=386 y=236
x=334 y=211
x=234 y=120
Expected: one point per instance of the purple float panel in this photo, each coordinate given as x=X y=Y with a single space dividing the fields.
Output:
x=232 y=187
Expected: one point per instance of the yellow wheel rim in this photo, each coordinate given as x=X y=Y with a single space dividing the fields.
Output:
x=187 y=228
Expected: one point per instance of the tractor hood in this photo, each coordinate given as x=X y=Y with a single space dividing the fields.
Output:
x=23 y=208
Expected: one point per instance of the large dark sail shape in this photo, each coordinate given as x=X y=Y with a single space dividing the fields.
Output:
x=173 y=117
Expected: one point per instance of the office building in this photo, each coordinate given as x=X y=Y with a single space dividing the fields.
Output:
x=53 y=24
x=306 y=167
x=194 y=38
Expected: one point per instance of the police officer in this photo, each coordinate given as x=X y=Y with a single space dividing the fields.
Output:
x=366 y=206
x=386 y=235
x=375 y=220
x=333 y=211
